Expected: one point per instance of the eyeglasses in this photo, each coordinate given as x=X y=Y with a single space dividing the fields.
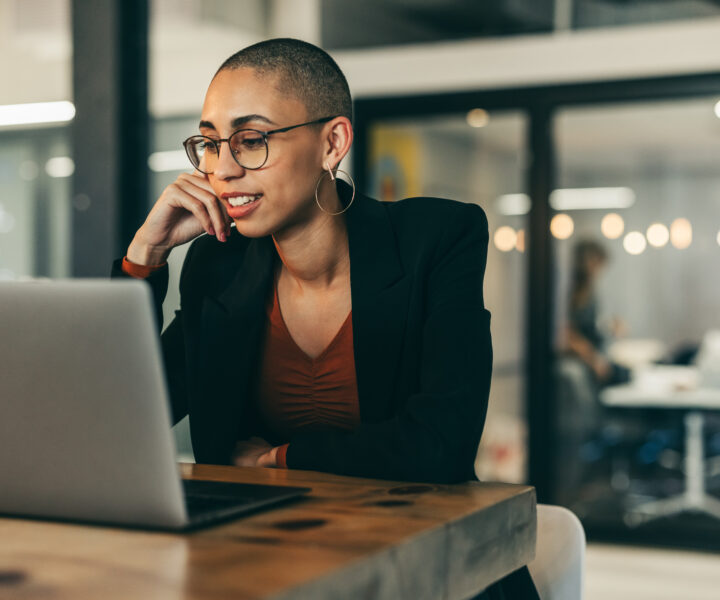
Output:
x=249 y=147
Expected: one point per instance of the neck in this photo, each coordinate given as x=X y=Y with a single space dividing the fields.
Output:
x=315 y=254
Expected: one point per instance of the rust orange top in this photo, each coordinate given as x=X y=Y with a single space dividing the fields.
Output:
x=299 y=393
x=296 y=392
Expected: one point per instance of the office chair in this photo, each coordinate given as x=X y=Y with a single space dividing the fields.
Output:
x=559 y=564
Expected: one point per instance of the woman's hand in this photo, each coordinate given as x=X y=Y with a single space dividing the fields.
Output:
x=255 y=452
x=185 y=209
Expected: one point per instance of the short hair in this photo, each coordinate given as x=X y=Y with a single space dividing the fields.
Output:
x=306 y=71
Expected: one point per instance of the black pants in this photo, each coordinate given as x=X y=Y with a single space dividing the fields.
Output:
x=516 y=586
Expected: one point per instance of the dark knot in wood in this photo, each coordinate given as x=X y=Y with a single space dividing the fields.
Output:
x=10 y=577
x=390 y=503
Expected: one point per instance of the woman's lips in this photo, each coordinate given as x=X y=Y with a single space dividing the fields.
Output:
x=237 y=212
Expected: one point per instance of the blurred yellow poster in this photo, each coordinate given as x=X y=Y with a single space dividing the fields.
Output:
x=395 y=160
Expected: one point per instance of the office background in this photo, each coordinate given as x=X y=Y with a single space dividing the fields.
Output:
x=565 y=120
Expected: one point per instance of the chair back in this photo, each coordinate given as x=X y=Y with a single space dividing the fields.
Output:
x=559 y=565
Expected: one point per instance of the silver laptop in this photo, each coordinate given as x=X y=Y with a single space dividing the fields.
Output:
x=85 y=431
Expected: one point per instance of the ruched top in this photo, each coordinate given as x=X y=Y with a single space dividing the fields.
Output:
x=298 y=393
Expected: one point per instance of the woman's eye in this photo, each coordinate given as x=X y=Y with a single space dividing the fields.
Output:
x=252 y=143
x=207 y=146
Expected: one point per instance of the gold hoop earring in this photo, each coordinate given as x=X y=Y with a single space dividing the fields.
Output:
x=332 y=178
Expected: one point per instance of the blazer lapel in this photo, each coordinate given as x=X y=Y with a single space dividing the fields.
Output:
x=232 y=328
x=380 y=292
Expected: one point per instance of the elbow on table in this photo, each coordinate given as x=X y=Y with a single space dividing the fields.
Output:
x=451 y=466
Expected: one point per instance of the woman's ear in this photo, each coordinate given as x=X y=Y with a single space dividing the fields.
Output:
x=338 y=139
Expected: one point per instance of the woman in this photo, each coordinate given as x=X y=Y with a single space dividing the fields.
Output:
x=325 y=331
x=584 y=338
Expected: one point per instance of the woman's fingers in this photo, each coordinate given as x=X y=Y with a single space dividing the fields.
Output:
x=197 y=208
x=185 y=208
x=213 y=206
x=200 y=180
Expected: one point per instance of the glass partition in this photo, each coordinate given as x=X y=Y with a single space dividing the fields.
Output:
x=637 y=242
x=35 y=159
x=35 y=212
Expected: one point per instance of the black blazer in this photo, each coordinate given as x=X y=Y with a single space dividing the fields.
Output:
x=423 y=355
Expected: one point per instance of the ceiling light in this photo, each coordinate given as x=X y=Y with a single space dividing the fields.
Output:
x=38 y=112
x=717 y=109
x=505 y=238
x=592 y=198
x=634 y=243
x=60 y=166
x=562 y=226
x=681 y=233
x=511 y=205
x=478 y=117
x=170 y=160
x=612 y=226
x=658 y=235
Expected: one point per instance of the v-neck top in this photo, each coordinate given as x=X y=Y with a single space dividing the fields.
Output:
x=298 y=393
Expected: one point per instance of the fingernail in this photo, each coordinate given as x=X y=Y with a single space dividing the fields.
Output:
x=211 y=231
x=223 y=237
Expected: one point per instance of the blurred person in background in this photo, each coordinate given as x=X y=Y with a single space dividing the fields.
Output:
x=586 y=442
x=584 y=338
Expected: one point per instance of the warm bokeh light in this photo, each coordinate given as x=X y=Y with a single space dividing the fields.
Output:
x=478 y=117
x=562 y=226
x=612 y=226
x=681 y=233
x=717 y=109
x=505 y=238
x=520 y=241
x=634 y=243
x=658 y=235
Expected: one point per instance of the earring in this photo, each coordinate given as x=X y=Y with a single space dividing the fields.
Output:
x=332 y=178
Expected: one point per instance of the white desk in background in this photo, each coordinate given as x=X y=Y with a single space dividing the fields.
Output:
x=675 y=388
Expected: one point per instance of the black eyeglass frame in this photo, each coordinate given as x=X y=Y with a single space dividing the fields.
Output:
x=264 y=134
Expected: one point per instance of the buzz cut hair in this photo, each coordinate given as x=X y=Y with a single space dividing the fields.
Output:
x=303 y=70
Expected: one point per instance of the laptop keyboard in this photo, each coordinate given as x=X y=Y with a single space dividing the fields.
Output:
x=208 y=500
x=217 y=489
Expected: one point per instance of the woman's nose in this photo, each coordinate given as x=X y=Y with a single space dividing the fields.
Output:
x=227 y=166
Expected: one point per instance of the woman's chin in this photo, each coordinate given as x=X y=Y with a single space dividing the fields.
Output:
x=250 y=230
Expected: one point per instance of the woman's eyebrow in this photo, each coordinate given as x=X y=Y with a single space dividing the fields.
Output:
x=240 y=121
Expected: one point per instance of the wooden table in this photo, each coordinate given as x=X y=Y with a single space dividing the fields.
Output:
x=351 y=538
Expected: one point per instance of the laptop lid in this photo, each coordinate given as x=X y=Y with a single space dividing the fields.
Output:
x=85 y=431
